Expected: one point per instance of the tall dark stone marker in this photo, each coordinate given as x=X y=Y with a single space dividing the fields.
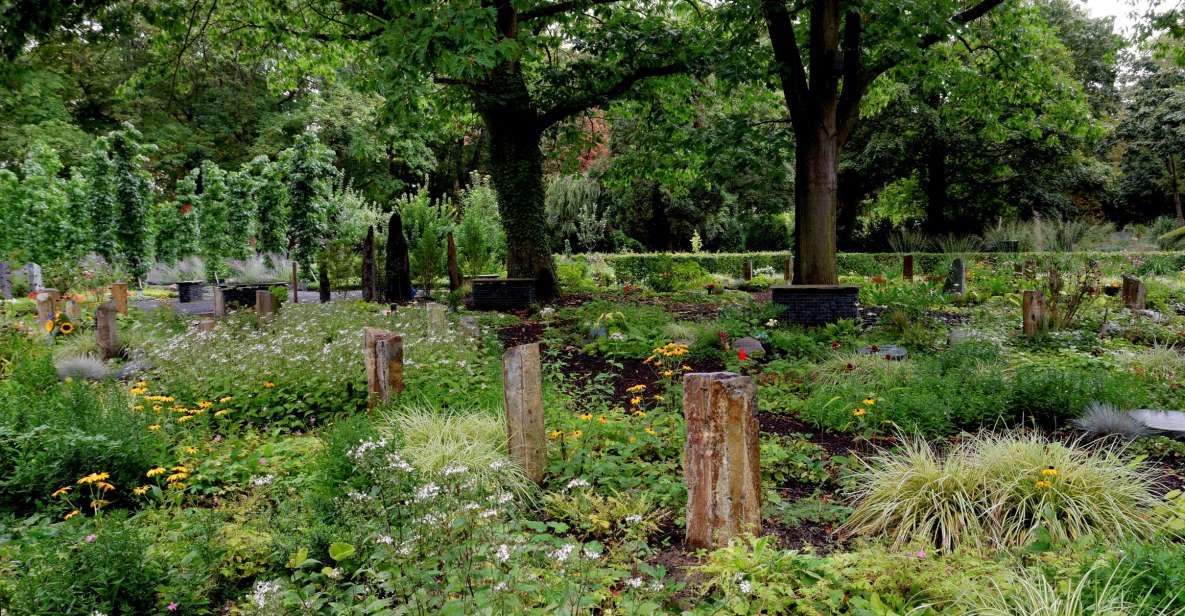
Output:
x=5 y=281
x=323 y=282
x=398 y=286
x=454 y=270
x=369 y=283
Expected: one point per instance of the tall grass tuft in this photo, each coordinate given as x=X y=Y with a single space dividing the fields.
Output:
x=1002 y=491
x=1029 y=593
x=1106 y=420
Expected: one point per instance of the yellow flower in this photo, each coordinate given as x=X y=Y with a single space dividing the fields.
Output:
x=153 y=472
x=71 y=514
x=138 y=391
x=668 y=373
x=140 y=491
x=221 y=413
x=869 y=402
x=225 y=399
x=639 y=413
x=176 y=486
x=659 y=397
x=602 y=419
x=586 y=416
x=175 y=477
x=66 y=328
x=636 y=388
x=104 y=486
x=859 y=412
x=184 y=418
x=49 y=325
x=62 y=491
x=650 y=430
x=1042 y=483
x=636 y=400
x=141 y=383
x=94 y=478
x=191 y=450
x=686 y=367
x=205 y=404
x=648 y=359
x=181 y=469
x=98 y=503
x=575 y=434
x=268 y=384
x=154 y=427
x=555 y=433
x=137 y=407
x=1049 y=471
x=157 y=408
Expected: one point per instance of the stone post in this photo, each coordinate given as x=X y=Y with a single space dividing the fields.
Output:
x=747 y=270
x=383 y=356
x=956 y=281
x=1135 y=294
x=119 y=295
x=5 y=281
x=219 y=303
x=46 y=305
x=907 y=267
x=33 y=276
x=398 y=286
x=1033 y=311
x=73 y=311
x=436 y=317
x=722 y=461
x=107 y=330
x=526 y=441
x=265 y=305
x=788 y=269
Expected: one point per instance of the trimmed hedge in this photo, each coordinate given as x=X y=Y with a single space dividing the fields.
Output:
x=637 y=268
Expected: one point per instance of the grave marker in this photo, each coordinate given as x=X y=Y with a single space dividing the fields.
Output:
x=119 y=295
x=722 y=466
x=1033 y=312
x=5 y=281
x=383 y=356
x=1135 y=293
x=107 y=330
x=523 y=398
x=265 y=305
x=907 y=267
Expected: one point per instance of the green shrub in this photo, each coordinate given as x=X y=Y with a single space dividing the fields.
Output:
x=1152 y=573
x=1002 y=491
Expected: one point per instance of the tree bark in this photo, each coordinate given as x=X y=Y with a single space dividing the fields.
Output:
x=1176 y=190
x=369 y=289
x=454 y=270
x=323 y=280
x=816 y=168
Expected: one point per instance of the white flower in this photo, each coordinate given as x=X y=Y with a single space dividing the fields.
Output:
x=617 y=336
x=563 y=553
x=264 y=593
x=634 y=519
x=358 y=496
x=771 y=323
x=503 y=554
x=591 y=554
x=427 y=491
x=634 y=582
x=746 y=587
x=454 y=469
x=384 y=539
x=577 y=483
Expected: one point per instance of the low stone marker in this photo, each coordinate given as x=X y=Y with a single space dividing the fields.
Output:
x=526 y=441
x=72 y=311
x=119 y=295
x=751 y=346
x=383 y=354
x=907 y=267
x=436 y=317
x=1033 y=312
x=107 y=330
x=205 y=325
x=265 y=304
x=1135 y=293
x=5 y=281
x=470 y=327
x=722 y=461
x=46 y=305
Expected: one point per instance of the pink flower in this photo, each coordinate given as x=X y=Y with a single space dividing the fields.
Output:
x=921 y=554
x=91 y=538
x=172 y=606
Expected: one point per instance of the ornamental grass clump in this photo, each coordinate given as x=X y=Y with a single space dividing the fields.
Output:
x=1002 y=491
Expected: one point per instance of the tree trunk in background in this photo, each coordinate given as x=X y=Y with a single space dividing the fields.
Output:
x=1176 y=190
x=454 y=270
x=935 y=186
x=369 y=290
x=323 y=279
x=398 y=266
x=816 y=168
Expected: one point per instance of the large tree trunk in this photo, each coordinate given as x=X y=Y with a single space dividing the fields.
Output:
x=936 y=186
x=1176 y=190
x=816 y=169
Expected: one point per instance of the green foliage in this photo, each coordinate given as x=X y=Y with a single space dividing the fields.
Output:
x=133 y=197
x=310 y=176
x=789 y=461
x=426 y=226
x=1007 y=490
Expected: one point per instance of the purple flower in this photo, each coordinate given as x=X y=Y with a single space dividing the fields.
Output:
x=172 y=606
x=91 y=538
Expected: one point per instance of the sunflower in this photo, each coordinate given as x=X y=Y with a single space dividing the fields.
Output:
x=49 y=325
x=66 y=328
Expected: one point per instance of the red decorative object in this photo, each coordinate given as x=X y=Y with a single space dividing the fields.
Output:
x=741 y=355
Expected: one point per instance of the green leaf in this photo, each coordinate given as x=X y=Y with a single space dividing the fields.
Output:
x=341 y=551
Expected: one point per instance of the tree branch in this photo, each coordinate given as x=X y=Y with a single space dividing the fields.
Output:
x=787 y=56
x=559 y=8
x=962 y=18
x=592 y=99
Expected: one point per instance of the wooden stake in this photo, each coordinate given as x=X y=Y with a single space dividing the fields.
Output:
x=107 y=330
x=383 y=356
x=295 y=287
x=1135 y=294
x=788 y=269
x=119 y=295
x=1033 y=312
x=907 y=267
x=523 y=396
x=747 y=270
x=722 y=460
x=264 y=304
x=219 y=303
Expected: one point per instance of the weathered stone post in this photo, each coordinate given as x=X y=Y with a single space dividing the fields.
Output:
x=73 y=311
x=46 y=305
x=454 y=270
x=956 y=281
x=436 y=317
x=119 y=295
x=1135 y=294
x=907 y=267
x=369 y=284
x=523 y=396
x=33 y=276
x=219 y=303
x=5 y=281
x=265 y=305
x=1033 y=311
x=398 y=287
x=747 y=270
x=383 y=356
x=295 y=288
x=722 y=461
x=788 y=269
x=107 y=330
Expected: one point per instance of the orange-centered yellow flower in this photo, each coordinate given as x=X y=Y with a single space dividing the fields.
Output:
x=62 y=491
x=859 y=412
x=153 y=472
x=1049 y=471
